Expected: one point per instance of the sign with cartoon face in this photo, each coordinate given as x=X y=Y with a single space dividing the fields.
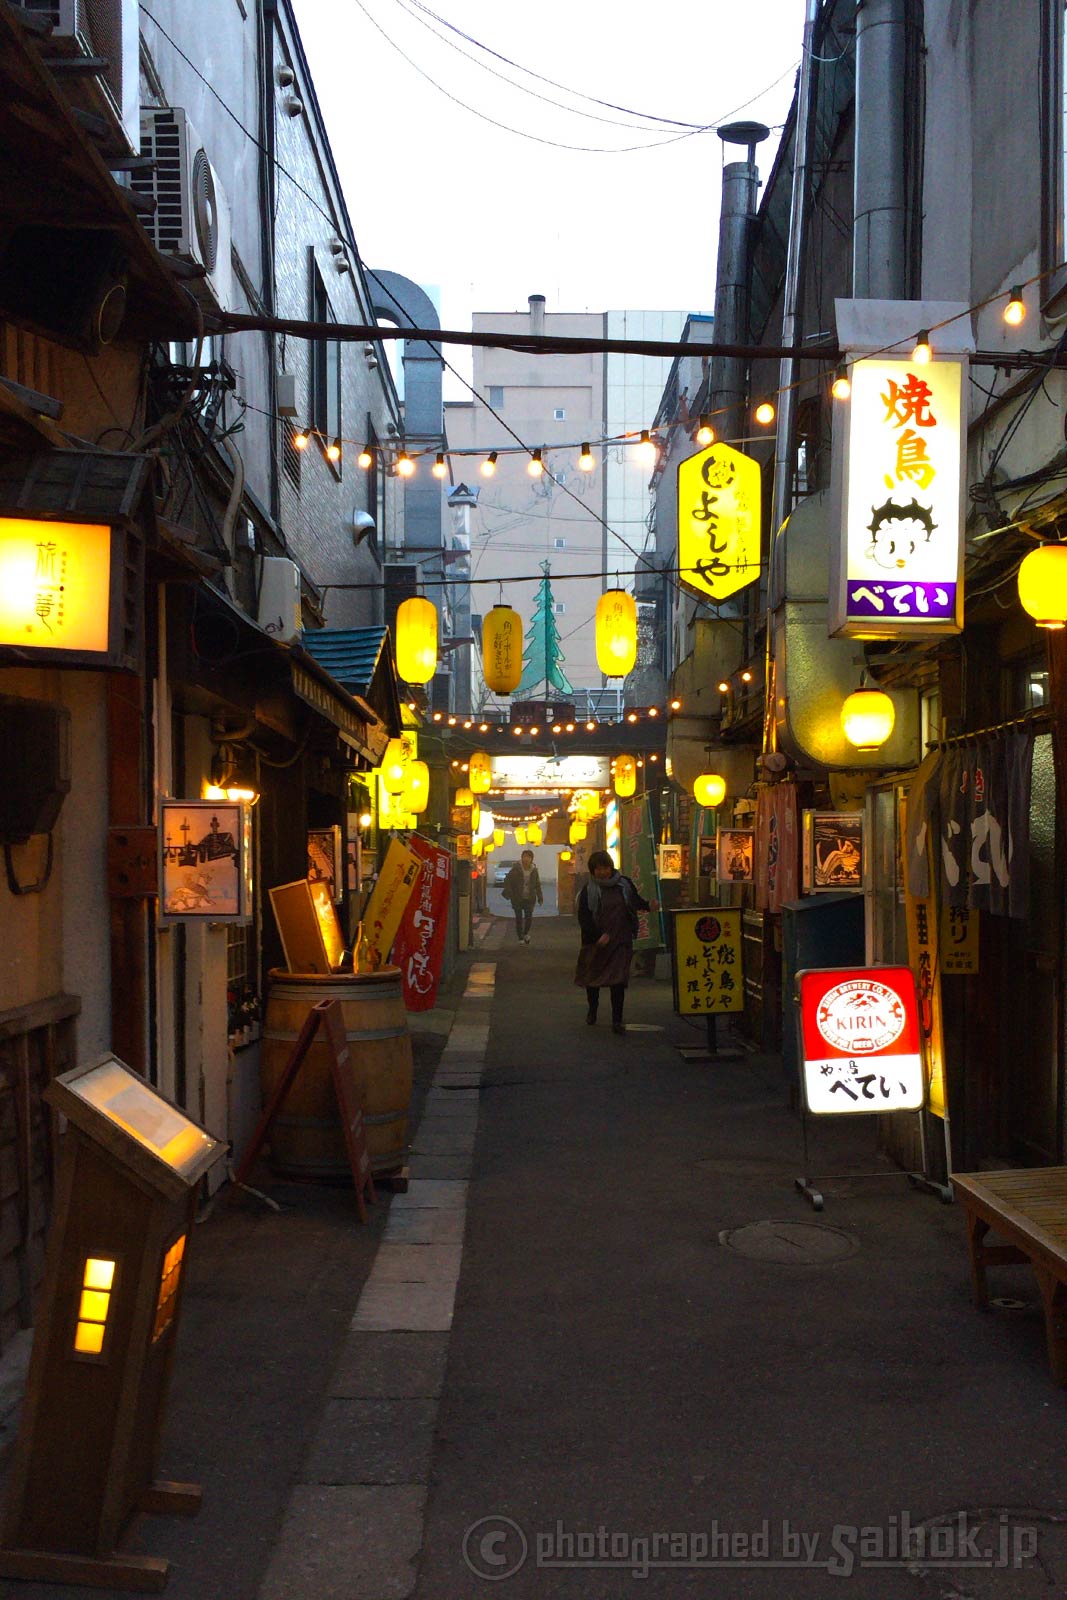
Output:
x=718 y=522
x=902 y=459
x=860 y=1043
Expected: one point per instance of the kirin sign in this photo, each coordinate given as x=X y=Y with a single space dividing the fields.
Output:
x=860 y=1040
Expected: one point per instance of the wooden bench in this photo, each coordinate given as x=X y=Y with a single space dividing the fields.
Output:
x=1029 y=1209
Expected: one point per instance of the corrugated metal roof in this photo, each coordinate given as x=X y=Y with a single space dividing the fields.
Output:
x=349 y=654
x=100 y=485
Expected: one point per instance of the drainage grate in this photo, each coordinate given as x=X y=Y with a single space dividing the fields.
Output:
x=795 y=1244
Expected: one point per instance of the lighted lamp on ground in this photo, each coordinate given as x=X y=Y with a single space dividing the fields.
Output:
x=625 y=776
x=709 y=790
x=867 y=719
x=616 y=633
x=416 y=640
x=1042 y=584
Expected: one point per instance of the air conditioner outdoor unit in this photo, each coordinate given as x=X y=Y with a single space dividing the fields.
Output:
x=280 y=613
x=105 y=30
x=192 y=215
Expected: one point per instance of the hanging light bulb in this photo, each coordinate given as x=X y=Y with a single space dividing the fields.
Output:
x=535 y=466
x=724 y=687
x=867 y=718
x=709 y=790
x=765 y=413
x=416 y=640
x=616 y=633
x=590 y=727
x=1015 y=310
x=300 y=439
x=333 y=451
x=439 y=469
x=1042 y=581
x=585 y=459
x=841 y=388
x=404 y=464
x=922 y=352
x=489 y=465
x=365 y=459
x=646 y=449
x=705 y=431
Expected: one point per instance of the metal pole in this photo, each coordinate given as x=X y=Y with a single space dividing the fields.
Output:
x=712 y=1035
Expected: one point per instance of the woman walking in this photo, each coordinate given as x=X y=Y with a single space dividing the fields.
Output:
x=607 y=915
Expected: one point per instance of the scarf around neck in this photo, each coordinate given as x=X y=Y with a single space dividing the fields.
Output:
x=616 y=881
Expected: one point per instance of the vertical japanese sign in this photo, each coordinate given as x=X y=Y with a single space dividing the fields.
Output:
x=860 y=1045
x=959 y=940
x=389 y=897
x=718 y=522
x=55 y=584
x=637 y=853
x=419 y=946
x=900 y=555
x=707 y=962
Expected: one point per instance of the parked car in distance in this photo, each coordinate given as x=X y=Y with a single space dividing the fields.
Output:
x=500 y=872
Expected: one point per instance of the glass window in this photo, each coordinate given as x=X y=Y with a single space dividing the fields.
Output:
x=561 y=544
x=559 y=414
x=496 y=396
x=325 y=408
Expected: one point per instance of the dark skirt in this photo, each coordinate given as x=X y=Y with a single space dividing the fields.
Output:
x=603 y=966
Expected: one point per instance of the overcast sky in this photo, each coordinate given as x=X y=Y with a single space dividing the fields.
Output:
x=483 y=217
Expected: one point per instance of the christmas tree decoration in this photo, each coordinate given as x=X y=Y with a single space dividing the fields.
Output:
x=416 y=640
x=625 y=776
x=543 y=660
x=480 y=772
x=502 y=649
x=616 y=633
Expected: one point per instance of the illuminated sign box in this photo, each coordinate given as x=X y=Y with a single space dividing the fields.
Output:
x=549 y=772
x=718 y=522
x=860 y=1041
x=205 y=861
x=70 y=592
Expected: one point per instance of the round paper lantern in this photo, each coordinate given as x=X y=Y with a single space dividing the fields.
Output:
x=498 y=838
x=502 y=649
x=625 y=776
x=867 y=718
x=520 y=835
x=566 y=855
x=416 y=790
x=416 y=640
x=578 y=831
x=710 y=790
x=394 y=766
x=480 y=772
x=1043 y=585
x=616 y=633
x=535 y=834
x=464 y=798
x=486 y=825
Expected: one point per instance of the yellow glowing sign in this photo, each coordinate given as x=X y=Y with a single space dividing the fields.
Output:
x=394 y=888
x=718 y=522
x=55 y=584
x=132 y=1105
x=329 y=927
x=94 y=1303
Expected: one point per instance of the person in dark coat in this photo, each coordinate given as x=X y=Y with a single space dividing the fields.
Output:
x=522 y=887
x=607 y=915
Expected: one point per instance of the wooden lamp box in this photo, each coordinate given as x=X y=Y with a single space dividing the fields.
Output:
x=308 y=926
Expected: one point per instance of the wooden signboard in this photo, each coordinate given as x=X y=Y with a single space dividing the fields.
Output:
x=308 y=926
x=328 y=1016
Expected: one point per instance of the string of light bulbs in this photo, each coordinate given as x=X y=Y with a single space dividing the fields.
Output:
x=629 y=718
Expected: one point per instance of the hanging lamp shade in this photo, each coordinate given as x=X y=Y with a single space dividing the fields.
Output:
x=520 y=835
x=535 y=834
x=416 y=790
x=709 y=790
x=480 y=772
x=498 y=838
x=502 y=649
x=578 y=831
x=616 y=633
x=464 y=798
x=625 y=776
x=486 y=825
x=416 y=640
x=394 y=766
x=476 y=848
x=1042 y=583
x=476 y=816
x=867 y=718
x=566 y=855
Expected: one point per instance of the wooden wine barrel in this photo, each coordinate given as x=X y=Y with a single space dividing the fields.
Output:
x=306 y=1138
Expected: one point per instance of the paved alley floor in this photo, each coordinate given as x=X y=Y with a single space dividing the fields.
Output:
x=550 y=1369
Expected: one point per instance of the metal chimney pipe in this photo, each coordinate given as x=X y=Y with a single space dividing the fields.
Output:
x=740 y=190
x=537 y=314
x=879 y=267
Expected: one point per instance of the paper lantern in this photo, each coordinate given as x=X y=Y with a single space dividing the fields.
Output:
x=498 y=838
x=476 y=816
x=502 y=649
x=578 y=831
x=464 y=798
x=625 y=776
x=1042 y=584
x=416 y=790
x=480 y=772
x=394 y=766
x=710 y=790
x=416 y=640
x=520 y=835
x=566 y=855
x=867 y=718
x=588 y=805
x=486 y=825
x=535 y=833
x=616 y=633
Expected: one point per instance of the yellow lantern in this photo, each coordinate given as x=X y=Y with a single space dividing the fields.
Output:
x=867 y=718
x=710 y=790
x=476 y=848
x=394 y=766
x=416 y=791
x=502 y=649
x=588 y=805
x=578 y=831
x=464 y=798
x=535 y=833
x=1042 y=584
x=625 y=776
x=476 y=816
x=520 y=835
x=566 y=855
x=480 y=772
x=616 y=633
x=498 y=838
x=416 y=640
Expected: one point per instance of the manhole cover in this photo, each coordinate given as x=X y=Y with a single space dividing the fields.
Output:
x=1008 y=1302
x=799 y=1244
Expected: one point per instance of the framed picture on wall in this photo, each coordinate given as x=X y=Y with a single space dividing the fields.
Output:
x=706 y=855
x=324 y=859
x=205 y=865
x=670 y=861
x=735 y=855
x=832 y=851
